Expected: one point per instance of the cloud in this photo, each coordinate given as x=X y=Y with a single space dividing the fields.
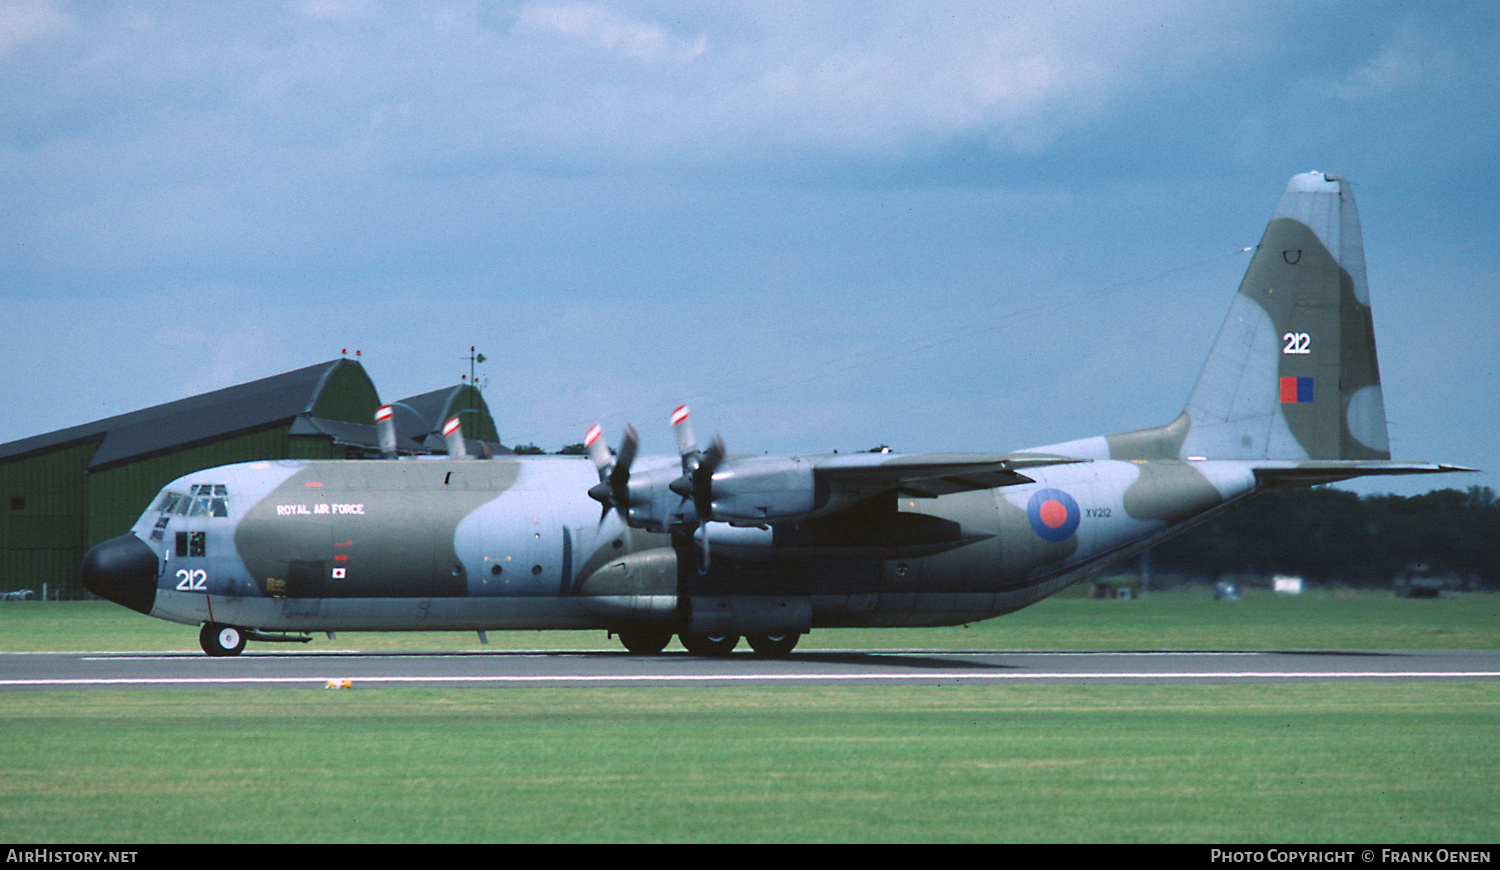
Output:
x=1407 y=62
x=635 y=202
x=605 y=28
x=23 y=22
x=589 y=86
x=339 y=11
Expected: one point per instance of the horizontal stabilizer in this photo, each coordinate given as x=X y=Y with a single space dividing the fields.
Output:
x=1289 y=473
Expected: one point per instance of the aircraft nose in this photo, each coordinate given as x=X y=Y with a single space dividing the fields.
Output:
x=122 y=570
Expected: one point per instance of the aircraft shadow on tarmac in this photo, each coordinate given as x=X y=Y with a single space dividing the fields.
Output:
x=951 y=661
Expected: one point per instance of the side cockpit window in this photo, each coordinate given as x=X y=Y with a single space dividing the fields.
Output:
x=192 y=544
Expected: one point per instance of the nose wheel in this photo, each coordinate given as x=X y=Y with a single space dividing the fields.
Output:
x=221 y=640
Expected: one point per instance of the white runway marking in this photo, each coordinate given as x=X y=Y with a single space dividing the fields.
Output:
x=584 y=679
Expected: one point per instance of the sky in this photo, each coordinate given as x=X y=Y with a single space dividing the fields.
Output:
x=935 y=226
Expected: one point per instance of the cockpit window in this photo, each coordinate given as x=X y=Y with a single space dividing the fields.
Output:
x=206 y=499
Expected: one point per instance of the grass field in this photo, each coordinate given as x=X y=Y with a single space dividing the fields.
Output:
x=1387 y=762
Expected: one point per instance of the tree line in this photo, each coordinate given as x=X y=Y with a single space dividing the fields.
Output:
x=1329 y=535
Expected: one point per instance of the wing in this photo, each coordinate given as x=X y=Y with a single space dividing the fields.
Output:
x=754 y=490
x=928 y=475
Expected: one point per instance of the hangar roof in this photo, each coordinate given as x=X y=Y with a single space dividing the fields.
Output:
x=421 y=417
x=324 y=399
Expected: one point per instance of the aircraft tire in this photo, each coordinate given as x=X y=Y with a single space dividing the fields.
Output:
x=645 y=643
x=221 y=640
x=773 y=645
x=709 y=644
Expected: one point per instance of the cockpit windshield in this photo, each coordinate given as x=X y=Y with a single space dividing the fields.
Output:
x=204 y=500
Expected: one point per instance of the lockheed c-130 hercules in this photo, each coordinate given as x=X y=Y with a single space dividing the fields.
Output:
x=712 y=547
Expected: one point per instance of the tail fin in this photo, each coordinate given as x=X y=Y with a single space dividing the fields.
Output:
x=1293 y=373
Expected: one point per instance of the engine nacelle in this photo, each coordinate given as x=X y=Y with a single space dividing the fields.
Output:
x=756 y=489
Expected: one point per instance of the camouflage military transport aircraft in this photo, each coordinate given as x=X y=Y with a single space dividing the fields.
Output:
x=712 y=547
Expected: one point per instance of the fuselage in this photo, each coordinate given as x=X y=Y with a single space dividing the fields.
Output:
x=518 y=544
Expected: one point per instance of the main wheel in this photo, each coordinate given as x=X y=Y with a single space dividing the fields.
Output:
x=709 y=644
x=645 y=643
x=221 y=640
x=771 y=645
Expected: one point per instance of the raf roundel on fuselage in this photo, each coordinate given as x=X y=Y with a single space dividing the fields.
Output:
x=1053 y=514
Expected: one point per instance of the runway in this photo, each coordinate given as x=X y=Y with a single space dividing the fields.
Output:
x=812 y=667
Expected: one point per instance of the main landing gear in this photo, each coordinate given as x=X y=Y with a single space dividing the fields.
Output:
x=709 y=644
x=650 y=642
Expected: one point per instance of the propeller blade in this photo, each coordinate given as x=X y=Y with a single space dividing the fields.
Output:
x=703 y=482
x=687 y=444
x=385 y=425
x=619 y=476
x=453 y=436
x=598 y=451
x=703 y=565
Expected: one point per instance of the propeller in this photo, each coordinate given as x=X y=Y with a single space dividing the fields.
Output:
x=698 y=467
x=645 y=507
x=613 y=488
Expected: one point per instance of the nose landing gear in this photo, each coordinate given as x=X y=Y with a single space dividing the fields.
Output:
x=221 y=640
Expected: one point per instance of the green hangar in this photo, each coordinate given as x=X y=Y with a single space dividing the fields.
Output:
x=65 y=491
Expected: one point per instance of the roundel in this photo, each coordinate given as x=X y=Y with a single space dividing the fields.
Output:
x=1053 y=513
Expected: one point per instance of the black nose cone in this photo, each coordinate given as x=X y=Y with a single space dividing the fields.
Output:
x=123 y=570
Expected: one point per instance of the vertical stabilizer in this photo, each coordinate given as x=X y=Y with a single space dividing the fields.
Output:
x=1293 y=373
